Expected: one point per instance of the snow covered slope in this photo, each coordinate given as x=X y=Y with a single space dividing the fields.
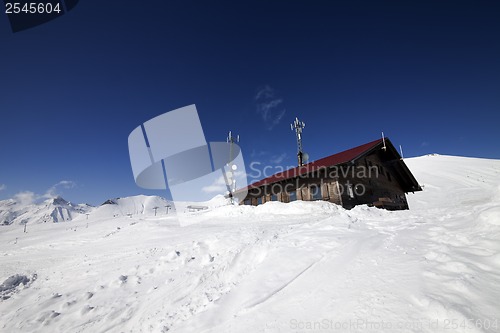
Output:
x=139 y=205
x=59 y=210
x=298 y=267
x=51 y=210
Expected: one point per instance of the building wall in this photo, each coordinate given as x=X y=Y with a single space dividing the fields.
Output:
x=302 y=188
x=380 y=186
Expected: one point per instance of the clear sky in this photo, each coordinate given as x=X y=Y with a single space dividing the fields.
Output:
x=427 y=73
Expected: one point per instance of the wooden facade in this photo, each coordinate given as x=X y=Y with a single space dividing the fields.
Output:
x=372 y=174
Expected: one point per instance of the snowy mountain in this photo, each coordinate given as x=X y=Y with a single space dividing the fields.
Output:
x=51 y=210
x=297 y=267
x=59 y=210
x=140 y=205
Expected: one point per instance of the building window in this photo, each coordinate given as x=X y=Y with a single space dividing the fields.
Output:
x=247 y=202
x=350 y=191
x=274 y=197
x=293 y=196
x=315 y=192
x=259 y=201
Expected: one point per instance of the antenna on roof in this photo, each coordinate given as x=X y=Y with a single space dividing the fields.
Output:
x=298 y=126
x=232 y=139
x=383 y=140
x=401 y=151
x=232 y=167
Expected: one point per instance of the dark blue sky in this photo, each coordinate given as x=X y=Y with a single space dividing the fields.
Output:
x=427 y=73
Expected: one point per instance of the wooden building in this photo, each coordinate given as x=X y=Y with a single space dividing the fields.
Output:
x=372 y=174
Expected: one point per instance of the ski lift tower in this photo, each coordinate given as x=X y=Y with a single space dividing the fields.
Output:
x=232 y=167
x=298 y=127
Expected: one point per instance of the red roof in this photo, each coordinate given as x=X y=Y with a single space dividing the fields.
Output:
x=336 y=159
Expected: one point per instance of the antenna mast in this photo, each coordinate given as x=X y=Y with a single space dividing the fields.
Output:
x=298 y=126
x=232 y=167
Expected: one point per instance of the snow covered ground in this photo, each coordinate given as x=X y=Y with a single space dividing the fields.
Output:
x=298 y=267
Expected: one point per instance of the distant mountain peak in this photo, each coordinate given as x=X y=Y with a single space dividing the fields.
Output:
x=58 y=200
x=109 y=202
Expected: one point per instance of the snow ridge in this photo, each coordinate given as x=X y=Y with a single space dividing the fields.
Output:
x=271 y=268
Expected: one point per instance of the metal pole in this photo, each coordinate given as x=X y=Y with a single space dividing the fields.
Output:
x=231 y=187
x=298 y=127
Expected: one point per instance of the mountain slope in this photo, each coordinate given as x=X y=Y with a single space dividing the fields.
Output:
x=59 y=210
x=271 y=268
x=139 y=205
x=51 y=210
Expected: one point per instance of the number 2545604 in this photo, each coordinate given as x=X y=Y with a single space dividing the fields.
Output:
x=32 y=8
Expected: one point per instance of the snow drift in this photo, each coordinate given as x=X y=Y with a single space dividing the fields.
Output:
x=298 y=267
